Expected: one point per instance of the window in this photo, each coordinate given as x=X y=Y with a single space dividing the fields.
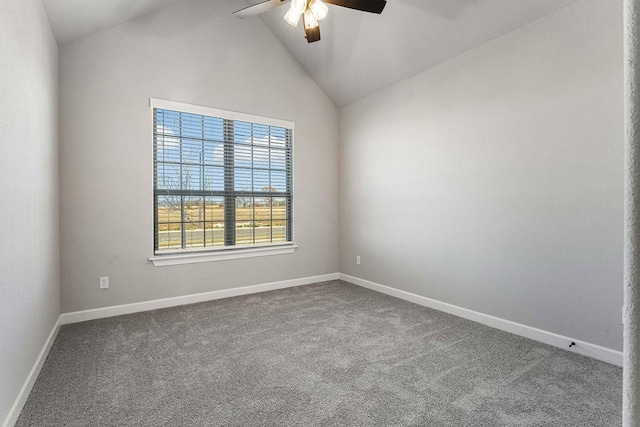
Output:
x=222 y=180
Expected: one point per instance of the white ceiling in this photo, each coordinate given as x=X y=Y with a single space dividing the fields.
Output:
x=360 y=53
x=74 y=19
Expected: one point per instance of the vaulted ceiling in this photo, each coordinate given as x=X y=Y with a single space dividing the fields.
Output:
x=74 y=19
x=359 y=53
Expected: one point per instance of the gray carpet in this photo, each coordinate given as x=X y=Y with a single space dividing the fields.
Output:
x=330 y=354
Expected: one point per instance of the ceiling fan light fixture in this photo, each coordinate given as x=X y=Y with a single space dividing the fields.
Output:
x=310 y=20
x=299 y=5
x=319 y=9
x=292 y=17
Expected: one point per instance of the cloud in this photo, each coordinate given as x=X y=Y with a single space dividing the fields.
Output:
x=164 y=138
x=260 y=153
x=253 y=153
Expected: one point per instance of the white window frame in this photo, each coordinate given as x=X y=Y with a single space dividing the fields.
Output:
x=199 y=255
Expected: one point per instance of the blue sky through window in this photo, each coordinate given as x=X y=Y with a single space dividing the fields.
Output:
x=190 y=154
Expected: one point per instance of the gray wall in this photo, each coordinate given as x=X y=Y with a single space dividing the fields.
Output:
x=495 y=181
x=195 y=52
x=29 y=263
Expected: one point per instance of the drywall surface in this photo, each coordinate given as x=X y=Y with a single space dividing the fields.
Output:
x=29 y=222
x=495 y=181
x=194 y=52
x=631 y=362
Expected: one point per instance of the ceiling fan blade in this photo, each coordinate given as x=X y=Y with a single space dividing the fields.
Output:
x=259 y=8
x=373 y=6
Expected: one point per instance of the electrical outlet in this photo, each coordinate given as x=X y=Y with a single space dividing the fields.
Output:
x=104 y=283
x=358 y=260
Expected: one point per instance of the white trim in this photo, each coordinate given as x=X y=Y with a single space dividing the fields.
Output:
x=584 y=348
x=23 y=395
x=196 y=257
x=117 y=310
x=215 y=112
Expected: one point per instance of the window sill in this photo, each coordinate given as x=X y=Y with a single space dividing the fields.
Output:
x=223 y=255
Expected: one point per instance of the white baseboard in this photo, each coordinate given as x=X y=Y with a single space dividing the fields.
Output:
x=23 y=395
x=584 y=348
x=117 y=310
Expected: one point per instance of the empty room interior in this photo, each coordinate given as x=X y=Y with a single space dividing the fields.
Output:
x=323 y=213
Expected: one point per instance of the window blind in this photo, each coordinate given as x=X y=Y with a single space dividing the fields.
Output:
x=220 y=183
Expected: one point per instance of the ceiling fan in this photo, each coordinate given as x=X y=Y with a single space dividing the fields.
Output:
x=311 y=11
